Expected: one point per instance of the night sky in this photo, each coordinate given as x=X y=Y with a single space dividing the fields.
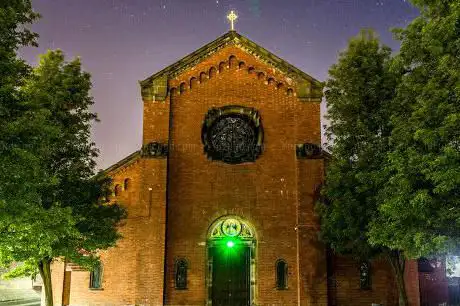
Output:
x=124 y=41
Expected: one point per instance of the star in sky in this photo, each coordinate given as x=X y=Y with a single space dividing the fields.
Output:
x=123 y=41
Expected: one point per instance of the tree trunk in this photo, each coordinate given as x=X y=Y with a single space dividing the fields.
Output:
x=45 y=273
x=397 y=263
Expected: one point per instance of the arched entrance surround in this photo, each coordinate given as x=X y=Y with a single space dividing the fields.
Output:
x=231 y=260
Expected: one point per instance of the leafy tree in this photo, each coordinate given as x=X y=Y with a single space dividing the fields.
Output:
x=50 y=197
x=359 y=96
x=420 y=211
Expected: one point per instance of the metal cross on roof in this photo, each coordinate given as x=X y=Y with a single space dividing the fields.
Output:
x=232 y=17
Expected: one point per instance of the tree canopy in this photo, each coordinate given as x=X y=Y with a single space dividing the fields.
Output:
x=52 y=203
x=392 y=184
x=359 y=96
x=420 y=204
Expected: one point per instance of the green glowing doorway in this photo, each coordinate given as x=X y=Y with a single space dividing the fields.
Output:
x=231 y=275
x=231 y=249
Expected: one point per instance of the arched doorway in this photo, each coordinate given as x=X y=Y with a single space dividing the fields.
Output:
x=231 y=247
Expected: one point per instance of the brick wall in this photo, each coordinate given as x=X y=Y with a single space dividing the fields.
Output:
x=411 y=281
x=133 y=270
x=264 y=193
x=346 y=289
x=276 y=194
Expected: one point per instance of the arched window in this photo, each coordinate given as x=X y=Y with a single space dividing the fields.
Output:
x=365 y=275
x=203 y=77
x=95 y=277
x=281 y=274
x=182 y=87
x=232 y=61
x=221 y=66
x=126 y=184
x=181 y=274
x=212 y=72
x=117 y=190
x=193 y=82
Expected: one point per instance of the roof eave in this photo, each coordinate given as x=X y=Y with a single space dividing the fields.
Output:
x=195 y=57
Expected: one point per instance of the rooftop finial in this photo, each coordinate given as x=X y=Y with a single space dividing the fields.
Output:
x=232 y=17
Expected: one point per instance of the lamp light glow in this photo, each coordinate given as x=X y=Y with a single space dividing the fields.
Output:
x=230 y=244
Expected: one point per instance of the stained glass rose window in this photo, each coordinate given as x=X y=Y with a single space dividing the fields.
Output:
x=232 y=134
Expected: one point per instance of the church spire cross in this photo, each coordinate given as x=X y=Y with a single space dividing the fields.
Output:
x=232 y=17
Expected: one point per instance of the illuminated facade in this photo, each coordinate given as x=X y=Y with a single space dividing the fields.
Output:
x=221 y=195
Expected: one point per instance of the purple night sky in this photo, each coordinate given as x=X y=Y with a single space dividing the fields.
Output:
x=123 y=41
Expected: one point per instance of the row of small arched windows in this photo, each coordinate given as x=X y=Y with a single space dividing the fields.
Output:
x=281 y=271
x=120 y=187
x=281 y=274
x=232 y=63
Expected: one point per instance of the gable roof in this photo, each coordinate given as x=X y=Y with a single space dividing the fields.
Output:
x=156 y=85
x=124 y=162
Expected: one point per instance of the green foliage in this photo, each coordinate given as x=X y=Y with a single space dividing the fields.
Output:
x=64 y=217
x=50 y=197
x=420 y=204
x=359 y=97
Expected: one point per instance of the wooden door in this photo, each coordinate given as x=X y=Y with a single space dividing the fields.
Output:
x=231 y=276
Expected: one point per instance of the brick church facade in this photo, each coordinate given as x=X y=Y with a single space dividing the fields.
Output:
x=221 y=195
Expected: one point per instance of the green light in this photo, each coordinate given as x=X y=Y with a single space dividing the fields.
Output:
x=230 y=244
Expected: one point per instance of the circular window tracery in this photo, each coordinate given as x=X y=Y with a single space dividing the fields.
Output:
x=232 y=134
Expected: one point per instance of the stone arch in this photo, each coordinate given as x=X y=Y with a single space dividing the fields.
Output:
x=215 y=231
x=271 y=81
x=242 y=65
x=261 y=75
x=127 y=184
x=281 y=274
x=193 y=82
x=203 y=77
x=212 y=72
x=117 y=190
x=232 y=61
x=173 y=92
x=180 y=273
x=290 y=92
x=242 y=235
x=222 y=66
x=182 y=87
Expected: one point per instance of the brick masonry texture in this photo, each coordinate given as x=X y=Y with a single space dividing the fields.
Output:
x=276 y=194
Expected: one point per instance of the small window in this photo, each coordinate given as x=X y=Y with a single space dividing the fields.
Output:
x=203 y=77
x=182 y=87
x=193 y=83
x=95 y=277
x=212 y=72
x=127 y=184
x=181 y=274
x=365 y=275
x=281 y=274
x=222 y=66
x=117 y=190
